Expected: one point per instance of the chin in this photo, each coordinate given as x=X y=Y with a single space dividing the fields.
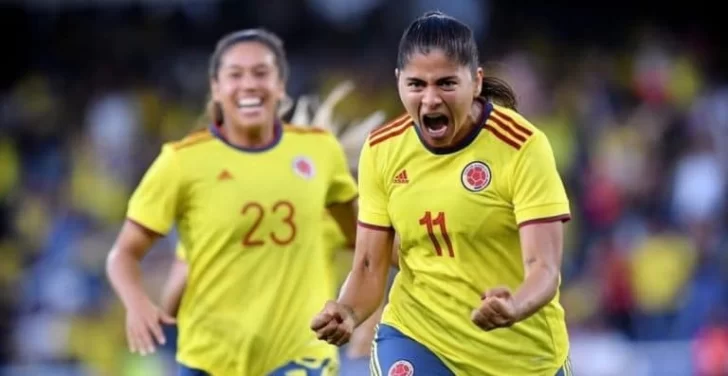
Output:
x=252 y=123
x=438 y=142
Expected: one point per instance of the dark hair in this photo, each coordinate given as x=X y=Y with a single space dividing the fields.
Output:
x=436 y=30
x=213 y=110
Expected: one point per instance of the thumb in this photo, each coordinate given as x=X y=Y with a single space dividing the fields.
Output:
x=166 y=318
x=499 y=292
x=332 y=308
x=324 y=317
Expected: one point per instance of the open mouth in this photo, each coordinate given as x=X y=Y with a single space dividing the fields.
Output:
x=435 y=124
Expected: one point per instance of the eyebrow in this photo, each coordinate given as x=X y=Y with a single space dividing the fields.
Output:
x=237 y=66
x=441 y=79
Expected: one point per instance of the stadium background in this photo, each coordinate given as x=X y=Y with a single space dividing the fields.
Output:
x=634 y=99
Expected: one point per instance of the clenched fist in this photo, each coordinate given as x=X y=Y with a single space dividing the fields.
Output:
x=497 y=310
x=334 y=324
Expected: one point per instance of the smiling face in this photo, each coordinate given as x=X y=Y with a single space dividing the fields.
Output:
x=248 y=86
x=439 y=93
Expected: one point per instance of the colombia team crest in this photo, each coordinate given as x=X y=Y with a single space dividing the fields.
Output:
x=476 y=176
x=401 y=368
x=303 y=167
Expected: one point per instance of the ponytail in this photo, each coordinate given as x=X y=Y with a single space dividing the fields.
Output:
x=214 y=112
x=499 y=92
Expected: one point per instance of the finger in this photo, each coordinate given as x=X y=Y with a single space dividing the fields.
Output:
x=337 y=317
x=499 y=306
x=498 y=313
x=486 y=310
x=480 y=319
x=488 y=318
x=329 y=330
x=157 y=332
x=131 y=341
x=138 y=340
x=144 y=338
x=331 y=307
x=337 y=336
x=500 y=291
x=166 y=318
x=343 y=340
x=320 y=321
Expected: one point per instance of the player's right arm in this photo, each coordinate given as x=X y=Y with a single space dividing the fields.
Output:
x=364 y=289
x=151 y=213
x=363 y=292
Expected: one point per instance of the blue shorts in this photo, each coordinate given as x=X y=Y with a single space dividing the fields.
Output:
x=393 y=353
x=308 y=367
x=187 y=371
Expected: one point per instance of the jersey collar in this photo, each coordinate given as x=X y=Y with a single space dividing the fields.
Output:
x=218 y=132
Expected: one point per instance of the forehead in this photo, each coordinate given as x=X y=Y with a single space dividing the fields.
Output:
x=432 y=64
x=247 y=54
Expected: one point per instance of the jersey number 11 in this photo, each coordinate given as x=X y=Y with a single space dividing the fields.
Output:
x=439 y=221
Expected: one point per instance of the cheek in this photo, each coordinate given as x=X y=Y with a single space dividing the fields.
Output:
x=411 y=101
x=460 y=103
x=226 y=87
x=276 y=89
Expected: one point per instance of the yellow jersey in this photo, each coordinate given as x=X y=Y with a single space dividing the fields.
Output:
x=334 y=241
x=250 y=225
x=457 y=212
x=339 y=251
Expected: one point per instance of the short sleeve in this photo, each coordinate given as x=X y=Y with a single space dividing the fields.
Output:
x=154 y=203
x=373 y=199
x=342 y=187
x=537 y=189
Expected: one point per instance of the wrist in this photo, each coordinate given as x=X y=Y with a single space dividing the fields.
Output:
x=134 y=297
x=350 y=313
x=519 y=309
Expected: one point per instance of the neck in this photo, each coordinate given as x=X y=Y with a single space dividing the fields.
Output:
x=258 y=137
x=473 y=120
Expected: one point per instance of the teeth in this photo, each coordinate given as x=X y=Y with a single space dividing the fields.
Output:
x=249 y=102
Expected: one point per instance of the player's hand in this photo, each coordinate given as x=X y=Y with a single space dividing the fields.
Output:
x=334 y=324
x=143 y=326
x=497 y=310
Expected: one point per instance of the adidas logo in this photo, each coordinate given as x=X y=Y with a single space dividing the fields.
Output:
x=401 y=178
x=224 y=175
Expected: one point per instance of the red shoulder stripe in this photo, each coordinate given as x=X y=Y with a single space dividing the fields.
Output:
x=192 y=139
x=391 y=125
x=373 y=140
x=502 y=125
x=502 y=137
x=304 y=130
x=512 y=122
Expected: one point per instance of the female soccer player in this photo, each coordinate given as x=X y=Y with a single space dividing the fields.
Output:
x=246 y=196
x=472 y=190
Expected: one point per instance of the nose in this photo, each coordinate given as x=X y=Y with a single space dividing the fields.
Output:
x=431 y=98
x=248 y=82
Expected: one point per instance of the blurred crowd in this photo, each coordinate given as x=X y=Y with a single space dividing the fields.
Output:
x=636 y=127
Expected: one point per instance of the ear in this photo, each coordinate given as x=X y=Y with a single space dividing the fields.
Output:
x=215 y=90
x=478 y=82
x=396 y=72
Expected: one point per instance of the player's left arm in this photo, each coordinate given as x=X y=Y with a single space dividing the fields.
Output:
x=541 y=245
x=342 y=193
x=541 y=206
x=175 y=284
